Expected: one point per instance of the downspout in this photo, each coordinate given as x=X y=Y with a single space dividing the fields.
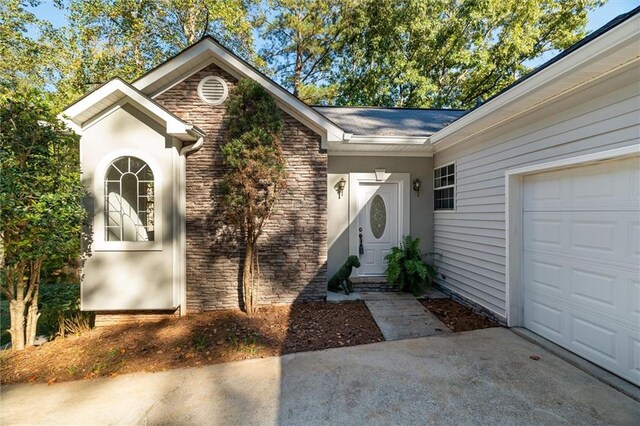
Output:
x=193 y=147
x=182 y=211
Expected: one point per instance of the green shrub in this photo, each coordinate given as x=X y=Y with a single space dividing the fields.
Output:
x=61 y=314
x=407 y=269
x=5 y=337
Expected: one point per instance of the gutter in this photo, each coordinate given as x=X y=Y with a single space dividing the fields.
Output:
x=182 y=210
x=193 y=147
x=386 y=140
x=195 y=132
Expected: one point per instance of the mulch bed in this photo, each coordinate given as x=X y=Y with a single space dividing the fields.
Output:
x=194 y=340
x=456 y=316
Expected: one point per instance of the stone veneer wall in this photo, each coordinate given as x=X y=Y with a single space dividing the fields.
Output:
x=293 y=249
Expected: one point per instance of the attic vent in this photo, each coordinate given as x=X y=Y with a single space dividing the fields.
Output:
x=213 y=90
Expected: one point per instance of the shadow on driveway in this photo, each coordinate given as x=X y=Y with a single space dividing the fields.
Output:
x=484 y=376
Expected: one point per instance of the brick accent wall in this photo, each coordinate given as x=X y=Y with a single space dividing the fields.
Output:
x=108 y=318
x=293 y=249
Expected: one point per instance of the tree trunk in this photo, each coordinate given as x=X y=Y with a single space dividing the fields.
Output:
x=33 y=291
x=247 y=280
x=297 y=73
x=16 y=311
x=23 y=304
x=32 y=320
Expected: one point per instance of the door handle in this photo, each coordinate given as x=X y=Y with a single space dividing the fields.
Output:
x=361 y=248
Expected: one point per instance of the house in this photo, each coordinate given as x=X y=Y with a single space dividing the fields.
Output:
x=531 y=200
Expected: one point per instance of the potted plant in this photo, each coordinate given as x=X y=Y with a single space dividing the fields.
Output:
x=407 y=269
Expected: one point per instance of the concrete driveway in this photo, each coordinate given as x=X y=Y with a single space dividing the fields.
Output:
x=480 y=377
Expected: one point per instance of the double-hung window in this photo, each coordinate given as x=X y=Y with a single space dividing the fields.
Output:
x=444 y=183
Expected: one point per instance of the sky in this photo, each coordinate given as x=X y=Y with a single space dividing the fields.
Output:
x=610 y=10
x=597 y=18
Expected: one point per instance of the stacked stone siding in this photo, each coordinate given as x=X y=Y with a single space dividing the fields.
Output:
x=293 y=249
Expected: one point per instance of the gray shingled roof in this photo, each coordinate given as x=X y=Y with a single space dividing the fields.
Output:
x=390 y=121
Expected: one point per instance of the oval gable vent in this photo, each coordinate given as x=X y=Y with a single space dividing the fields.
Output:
x=213 y=90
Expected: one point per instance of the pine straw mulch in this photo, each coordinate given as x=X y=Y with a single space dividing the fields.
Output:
x=456 y=316
x=194 y=340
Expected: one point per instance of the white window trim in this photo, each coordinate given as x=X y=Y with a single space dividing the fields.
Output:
x=454 y=186
x=99 y=243
x=514 y=180
x=225 y=89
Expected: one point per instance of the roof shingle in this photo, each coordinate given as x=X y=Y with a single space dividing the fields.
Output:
x=375 y=121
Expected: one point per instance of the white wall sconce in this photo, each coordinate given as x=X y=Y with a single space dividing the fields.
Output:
x=416 y=186
x=339 y=187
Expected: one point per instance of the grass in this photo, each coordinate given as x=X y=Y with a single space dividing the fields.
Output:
x=199 y=342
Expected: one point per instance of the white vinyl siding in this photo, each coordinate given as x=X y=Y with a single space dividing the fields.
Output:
x=472 y=238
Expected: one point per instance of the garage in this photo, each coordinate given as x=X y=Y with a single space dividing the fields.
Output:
x=581 y=257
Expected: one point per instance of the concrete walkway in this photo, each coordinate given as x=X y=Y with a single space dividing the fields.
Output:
x=400 y=316
x=479 y=377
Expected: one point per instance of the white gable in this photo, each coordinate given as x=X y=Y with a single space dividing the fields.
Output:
x=116 y=93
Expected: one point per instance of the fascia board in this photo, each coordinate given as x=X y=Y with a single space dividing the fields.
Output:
x=174 y=126
x=388 y=140
x=92 y=98
x=373 y=153
x=608 y=42
x=70 y=123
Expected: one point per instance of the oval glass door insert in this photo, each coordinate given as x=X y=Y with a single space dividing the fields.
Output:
x=378 y=216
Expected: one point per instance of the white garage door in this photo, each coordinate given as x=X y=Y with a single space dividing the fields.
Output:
x=581 y=268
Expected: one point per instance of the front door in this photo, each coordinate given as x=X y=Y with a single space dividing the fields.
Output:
x=377 y=225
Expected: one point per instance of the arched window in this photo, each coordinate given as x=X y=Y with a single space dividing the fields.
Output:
x=129 y=195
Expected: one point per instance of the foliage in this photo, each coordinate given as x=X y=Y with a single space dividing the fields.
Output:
x=406 y=267
x=416 y=53
x=40 y=204
x=301 y=44
x=411 y=53
x=27 y=49
x=108 y=38
x=128 y=37
x=5 y=337
x=256 y=172
x=61 y=314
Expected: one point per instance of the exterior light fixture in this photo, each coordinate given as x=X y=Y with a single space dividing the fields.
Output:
x=339 y=187
x=416 y=186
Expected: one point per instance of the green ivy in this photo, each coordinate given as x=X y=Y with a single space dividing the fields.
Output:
x=255 y=175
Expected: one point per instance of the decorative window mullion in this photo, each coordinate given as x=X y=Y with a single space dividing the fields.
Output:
x=127 y=201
